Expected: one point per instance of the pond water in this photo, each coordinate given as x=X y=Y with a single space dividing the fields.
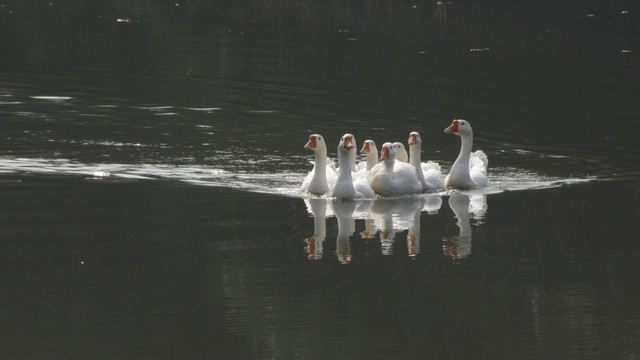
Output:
x=152 y=154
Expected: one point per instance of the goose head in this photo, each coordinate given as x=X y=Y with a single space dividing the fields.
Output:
x=401 y=152
x=346 y=142
x=388 y=153
x=368 y=146
x=316 y=142
x=347 y=147
x=459 y=127
x=414 y=138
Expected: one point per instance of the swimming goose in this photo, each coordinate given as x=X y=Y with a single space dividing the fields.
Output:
x=371 y=151
x=322 y=177
x=470 y=169
x=392 y=177
x=428 y=173
x=345 y=186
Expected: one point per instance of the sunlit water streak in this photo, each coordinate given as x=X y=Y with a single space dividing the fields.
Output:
x=285 y=183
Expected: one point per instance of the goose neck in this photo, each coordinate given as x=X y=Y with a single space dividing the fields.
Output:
x=344 y=161
x=372 y=159
x=465 y=147
x=389 y=163
x=414 y=155
x=321 y=163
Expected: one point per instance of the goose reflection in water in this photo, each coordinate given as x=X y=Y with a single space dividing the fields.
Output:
x=413 y=236
x=391 y=215
x=346 y=226
x=459 y=247
x=318 y=208
x=382 y=216
x=345 y=212
x=370 y=229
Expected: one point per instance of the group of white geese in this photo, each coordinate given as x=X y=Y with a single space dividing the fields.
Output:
x=397 y=173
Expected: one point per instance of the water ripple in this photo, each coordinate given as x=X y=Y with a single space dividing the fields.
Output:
x=281 y=182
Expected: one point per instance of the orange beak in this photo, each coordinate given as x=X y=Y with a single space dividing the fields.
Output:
x=412 y=139
x=411 y=244
x=384 y=154
x=348 y=144
x=453 y=128
x=311 y=144
x=311 y=248
x=450 y=247
x=365 y=148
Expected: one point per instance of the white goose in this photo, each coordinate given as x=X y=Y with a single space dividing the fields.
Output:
x=428 y=173
x=371 y=151
x=470 y=169
x=401 y=152
x=345 y=186
x=322 y=177
x=392 y=177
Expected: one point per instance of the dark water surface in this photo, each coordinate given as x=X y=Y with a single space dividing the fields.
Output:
x=152 y=152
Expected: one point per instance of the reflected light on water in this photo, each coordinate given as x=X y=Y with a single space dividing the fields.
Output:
x=284 y=183
x=51 y=97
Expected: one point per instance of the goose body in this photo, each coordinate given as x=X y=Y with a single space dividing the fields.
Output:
x=428 y=173
x=392 y=177
x=470 y=169
x=322 y=177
